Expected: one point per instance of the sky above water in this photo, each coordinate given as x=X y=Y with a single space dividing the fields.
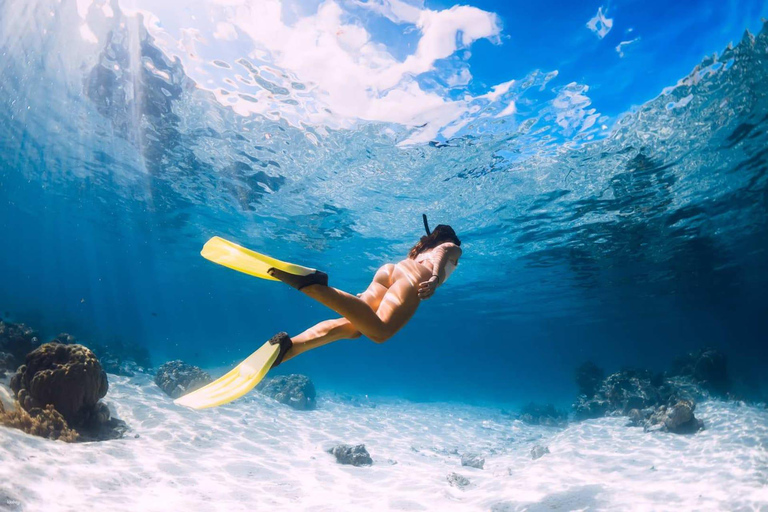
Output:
x=437 y=65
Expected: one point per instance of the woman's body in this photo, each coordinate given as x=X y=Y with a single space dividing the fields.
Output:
x=389 y=302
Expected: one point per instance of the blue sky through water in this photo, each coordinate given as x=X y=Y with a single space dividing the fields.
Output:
x=435 y=67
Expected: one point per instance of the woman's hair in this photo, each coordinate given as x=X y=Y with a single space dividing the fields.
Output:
x=441 y=234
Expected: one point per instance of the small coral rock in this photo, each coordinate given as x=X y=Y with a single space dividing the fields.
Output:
x=472 y=460
x=353 y=455
x=547 y=415
x=539 y=451
x=456 y=480
x=177 y=378
x=677 y=418
x=298 y=391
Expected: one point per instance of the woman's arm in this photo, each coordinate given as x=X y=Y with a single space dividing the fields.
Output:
x=445 y=253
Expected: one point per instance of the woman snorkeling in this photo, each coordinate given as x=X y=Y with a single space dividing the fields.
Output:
x=379 y=312
x=386 y=306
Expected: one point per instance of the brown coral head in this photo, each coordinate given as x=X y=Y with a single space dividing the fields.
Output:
x=69 y=377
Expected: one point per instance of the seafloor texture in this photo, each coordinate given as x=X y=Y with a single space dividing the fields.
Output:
x=257 y=454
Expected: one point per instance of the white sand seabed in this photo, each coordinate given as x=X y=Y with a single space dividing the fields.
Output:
x=256 y=454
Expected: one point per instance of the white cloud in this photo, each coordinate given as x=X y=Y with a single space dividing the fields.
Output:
x=508 y=110
x=345 y=75
x=460 y=79
x=82 y=7
x=571 y=108
x=620 y=47
x=600 y=24
x=87 y=34
x=225 y=31
x=395 y=10
x=356 y=77
x=499 y=90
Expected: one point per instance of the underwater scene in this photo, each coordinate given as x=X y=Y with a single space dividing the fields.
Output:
x=342 y=255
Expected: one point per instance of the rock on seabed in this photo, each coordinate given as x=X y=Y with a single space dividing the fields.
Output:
x=352 y=455
x=178 y=378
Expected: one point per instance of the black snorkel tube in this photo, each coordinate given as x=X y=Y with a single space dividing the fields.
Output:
x=426 y=224
x=445 y=232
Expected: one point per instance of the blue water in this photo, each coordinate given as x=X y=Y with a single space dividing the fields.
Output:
x=626 y=240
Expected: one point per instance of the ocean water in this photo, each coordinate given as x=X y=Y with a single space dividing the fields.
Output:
x=627 y=239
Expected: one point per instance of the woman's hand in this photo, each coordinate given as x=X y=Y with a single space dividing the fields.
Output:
x=427 y=288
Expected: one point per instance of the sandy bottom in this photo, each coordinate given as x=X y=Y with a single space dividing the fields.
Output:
x=258 y=455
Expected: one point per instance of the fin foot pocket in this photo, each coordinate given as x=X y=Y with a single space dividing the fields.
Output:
x=299 y=281
x=284 y=341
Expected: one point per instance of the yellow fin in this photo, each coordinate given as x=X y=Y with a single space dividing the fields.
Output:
x=239 y=381
x=247 y=261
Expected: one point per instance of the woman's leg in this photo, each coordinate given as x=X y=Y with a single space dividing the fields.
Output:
x=322 y=334
x=359 y=310
x=341 y=328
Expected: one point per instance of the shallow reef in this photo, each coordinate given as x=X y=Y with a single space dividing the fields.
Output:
x=294 y=390
x=677 y=418
x=59 y=388
x=177 y=378
x=548 y=415
x=16 y=341
x=654 y=401
x=116 y=357
x=707 y=367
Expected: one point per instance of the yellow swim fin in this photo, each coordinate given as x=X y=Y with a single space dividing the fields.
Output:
x=241 y=379
x=247 y=261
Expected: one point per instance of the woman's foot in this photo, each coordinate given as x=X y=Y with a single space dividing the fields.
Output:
x=298 y=281
x=285 y=343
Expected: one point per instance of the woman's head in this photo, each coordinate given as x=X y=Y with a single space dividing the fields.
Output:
x=442 y=233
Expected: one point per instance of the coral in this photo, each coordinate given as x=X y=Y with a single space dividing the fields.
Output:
x=7 y=363
x=43 y=422
x=298 y=391
x=67 y=380
x=456 y=480
x=116 y=357
x=472 y=460
x=650 y=401
x=177 y=378
x=621 y=392
x=118 y=366
x=17 y=340
x=539 y=451
x=707 y=368
x=67 y=376
x=352 y=455
x=677 y=418
x=121 y=358
x=588 y=378
x=535 y=414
